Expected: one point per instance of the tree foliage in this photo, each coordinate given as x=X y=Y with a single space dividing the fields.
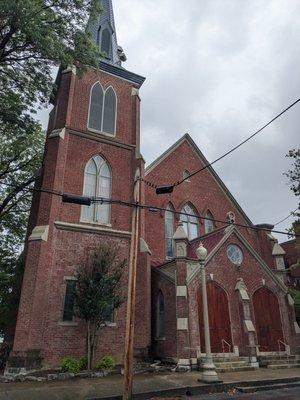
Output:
x=35 y=36
x=98 y=292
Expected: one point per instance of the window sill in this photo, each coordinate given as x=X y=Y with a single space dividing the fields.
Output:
x=160 y=339
x=101 y=133
x=95 y=223
x=68 y=323
x=109 y=325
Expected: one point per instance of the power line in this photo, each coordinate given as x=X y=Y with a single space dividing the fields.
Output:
x=150 y=208
x=155 y=209
x=284 y=219
x=171 y=187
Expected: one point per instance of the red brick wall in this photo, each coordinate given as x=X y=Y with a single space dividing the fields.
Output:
x=203 y=192
x=226 y=275
x=47 y=263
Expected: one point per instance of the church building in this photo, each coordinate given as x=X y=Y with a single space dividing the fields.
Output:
x=93 y=149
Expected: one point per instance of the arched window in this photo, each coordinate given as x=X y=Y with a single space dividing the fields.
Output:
x=209 y=224
x=97 y=183
x=109 y=118
x=96 y=107
x=169 y=231
x=160 y=315
x=190 y=222
x=186 y=175
x=103 y=110
x=106 y=42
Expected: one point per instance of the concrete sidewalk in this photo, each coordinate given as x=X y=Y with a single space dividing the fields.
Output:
x=145 y=386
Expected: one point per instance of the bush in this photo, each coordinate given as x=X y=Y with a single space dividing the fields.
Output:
x=70 y=364
x=106 y=363
x=83 y=363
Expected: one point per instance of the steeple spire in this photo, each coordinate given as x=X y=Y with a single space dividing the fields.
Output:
x=103 y=32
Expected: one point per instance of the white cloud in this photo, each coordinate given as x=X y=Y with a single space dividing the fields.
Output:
x=220 y=69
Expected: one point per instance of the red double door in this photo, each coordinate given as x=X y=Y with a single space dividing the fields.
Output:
x=267 y=320
x=219 y=319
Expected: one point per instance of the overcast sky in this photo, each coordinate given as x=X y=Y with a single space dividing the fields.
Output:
x=219 y=70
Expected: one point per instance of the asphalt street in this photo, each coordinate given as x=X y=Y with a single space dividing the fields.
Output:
x=279 y=394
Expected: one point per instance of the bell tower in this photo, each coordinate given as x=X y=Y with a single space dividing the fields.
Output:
x=93 y=149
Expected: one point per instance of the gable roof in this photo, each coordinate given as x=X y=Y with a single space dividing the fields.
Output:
x=221 y=237
x=187 y=138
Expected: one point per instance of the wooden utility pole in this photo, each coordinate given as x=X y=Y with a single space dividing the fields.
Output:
x=130 y=317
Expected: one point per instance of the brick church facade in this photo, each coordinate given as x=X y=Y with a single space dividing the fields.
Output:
x=93 y=149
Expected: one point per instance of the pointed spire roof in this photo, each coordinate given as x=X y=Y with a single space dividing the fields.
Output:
x=103 y=32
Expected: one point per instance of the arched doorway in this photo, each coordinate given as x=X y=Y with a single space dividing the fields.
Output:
x=267 y=320
x=219 y=320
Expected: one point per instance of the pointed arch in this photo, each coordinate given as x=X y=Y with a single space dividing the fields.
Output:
x=106 y=42
x=110 y=111
x=97 y=183
x=219 y=318
x=190 y=221
x=169 y=231
x=96 y=107
x=160 y=315
x=267 y=319
x=102 y=116
x=209 y=223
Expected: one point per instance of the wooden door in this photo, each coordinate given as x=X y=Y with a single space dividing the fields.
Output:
x=219 y=321
x=267 y=320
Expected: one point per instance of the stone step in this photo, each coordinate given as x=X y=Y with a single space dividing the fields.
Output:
x=282 y=361
x=229 y=359
x=283 y=366
x=236 y=369
x=278 y=357
x=231 y=364
x=275 y=386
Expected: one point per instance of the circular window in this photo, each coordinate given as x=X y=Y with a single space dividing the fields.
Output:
x=235 y=254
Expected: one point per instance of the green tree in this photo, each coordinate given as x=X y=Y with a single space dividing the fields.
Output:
x=293 y=175
x=98 y=293
x=35 y=36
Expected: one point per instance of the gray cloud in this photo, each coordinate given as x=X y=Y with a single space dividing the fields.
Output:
x=220 y=69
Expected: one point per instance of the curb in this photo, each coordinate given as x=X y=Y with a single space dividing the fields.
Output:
x=201 y=389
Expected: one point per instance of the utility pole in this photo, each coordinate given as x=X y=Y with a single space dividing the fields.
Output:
x=130 y=317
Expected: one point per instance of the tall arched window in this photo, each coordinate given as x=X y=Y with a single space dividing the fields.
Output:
x=106 y=42
x=169 y=231
x=96 y=107
x=209 y=224
x=103 y=109
x=160 y=315
x=190 y=222
x=109 y=117
x=97 y=183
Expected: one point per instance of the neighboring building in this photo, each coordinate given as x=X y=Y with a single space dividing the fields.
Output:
x=292 y=262
x=93 y=149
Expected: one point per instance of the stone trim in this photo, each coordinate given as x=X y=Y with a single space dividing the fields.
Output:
x=39 y=233
x=290 y=300
x=249 y=325
x=181 y=291
x=57 y=133
x=144 y=248
x=68 y=226
x=297 y=328
x=98 y=138
x=182 y=324
x=68 y=323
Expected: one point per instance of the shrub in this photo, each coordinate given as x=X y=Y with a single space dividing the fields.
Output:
x=106 y=363
x=70 y=364
x=83 y=363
